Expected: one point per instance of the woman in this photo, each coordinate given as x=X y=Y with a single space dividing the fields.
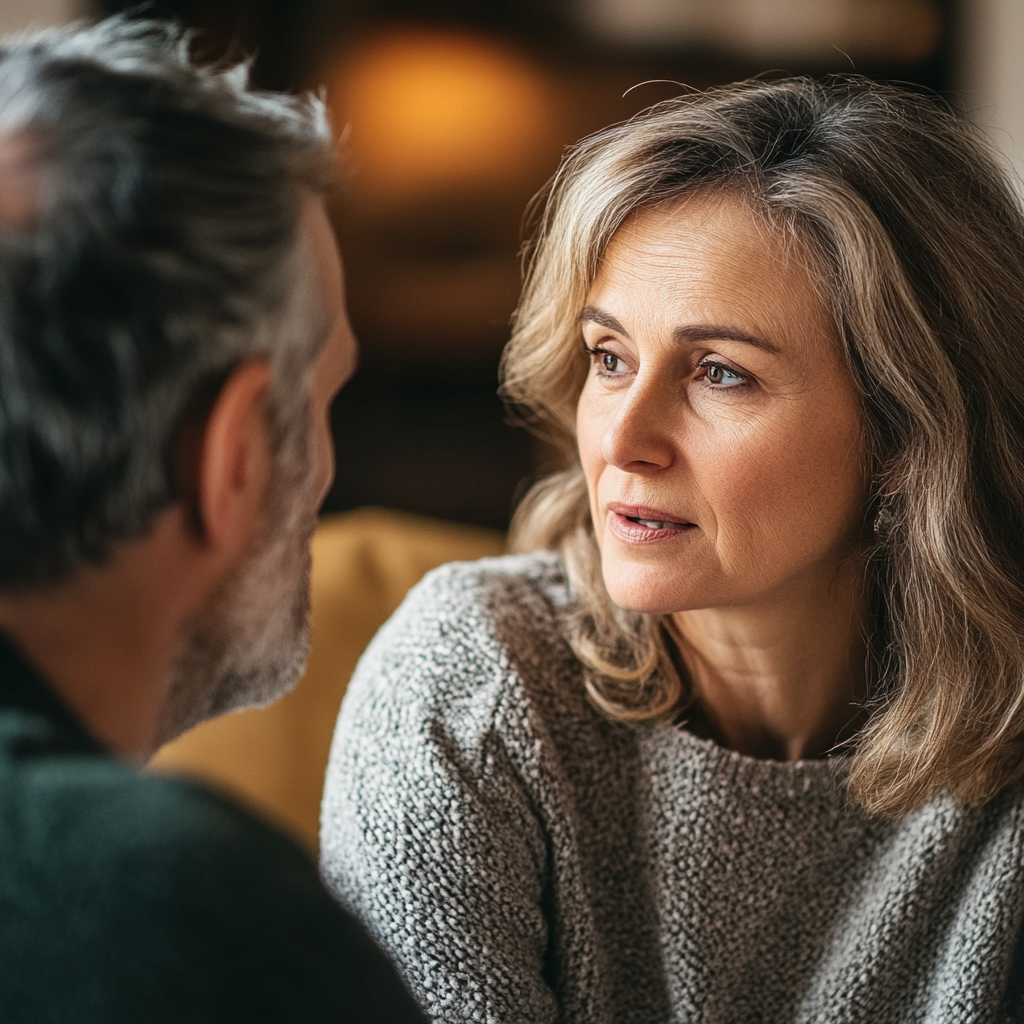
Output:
x=743 y=738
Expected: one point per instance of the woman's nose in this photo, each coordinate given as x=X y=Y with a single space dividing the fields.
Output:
x=637 y=437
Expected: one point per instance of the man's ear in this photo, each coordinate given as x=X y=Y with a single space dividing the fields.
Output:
x=234 y=463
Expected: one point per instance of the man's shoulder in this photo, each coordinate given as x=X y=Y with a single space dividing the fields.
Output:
x=91 y=832
x=87 y=808
x=137 y=888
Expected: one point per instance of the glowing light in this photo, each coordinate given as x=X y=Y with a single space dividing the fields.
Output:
x=431 y=108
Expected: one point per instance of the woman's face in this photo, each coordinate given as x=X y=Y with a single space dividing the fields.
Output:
x=719 y=429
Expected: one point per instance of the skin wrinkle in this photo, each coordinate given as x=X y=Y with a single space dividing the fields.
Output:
x=771 y=475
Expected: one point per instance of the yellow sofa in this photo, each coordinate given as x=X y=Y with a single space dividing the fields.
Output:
x=273 y=758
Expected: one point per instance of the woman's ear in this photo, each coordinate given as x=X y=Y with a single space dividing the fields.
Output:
x=234 y=460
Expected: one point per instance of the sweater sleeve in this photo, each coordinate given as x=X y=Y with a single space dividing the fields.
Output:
x=429 y=832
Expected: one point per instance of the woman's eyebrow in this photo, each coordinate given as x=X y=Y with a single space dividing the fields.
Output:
x=599 y=316
x=720 y=332
x=690 y=333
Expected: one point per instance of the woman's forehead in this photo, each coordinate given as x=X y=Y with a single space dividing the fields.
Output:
x=709 y=250
x=709 y=222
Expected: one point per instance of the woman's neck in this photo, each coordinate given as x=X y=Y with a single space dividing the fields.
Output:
x=784 y=679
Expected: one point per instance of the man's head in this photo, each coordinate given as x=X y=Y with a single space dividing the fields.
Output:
x=169 y=289
x=248 y=644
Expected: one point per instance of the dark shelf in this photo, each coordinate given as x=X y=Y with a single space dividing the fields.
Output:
x=436 y=444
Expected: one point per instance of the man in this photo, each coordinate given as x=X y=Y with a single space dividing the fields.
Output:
x=172 y=332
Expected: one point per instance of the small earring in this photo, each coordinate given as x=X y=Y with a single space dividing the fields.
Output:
x=884 y=520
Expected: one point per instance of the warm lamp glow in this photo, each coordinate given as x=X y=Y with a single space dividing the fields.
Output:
x=428 y=108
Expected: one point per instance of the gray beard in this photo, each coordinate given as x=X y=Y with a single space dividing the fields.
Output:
x=248 y=647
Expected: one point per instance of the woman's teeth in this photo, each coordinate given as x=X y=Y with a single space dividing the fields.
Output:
x=652 y=524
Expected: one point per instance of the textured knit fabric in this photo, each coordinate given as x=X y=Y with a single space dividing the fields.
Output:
x=525 y=859
x=149 y=901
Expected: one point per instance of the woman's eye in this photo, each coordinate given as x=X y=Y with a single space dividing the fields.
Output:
x=608 y=364
x=721 y=376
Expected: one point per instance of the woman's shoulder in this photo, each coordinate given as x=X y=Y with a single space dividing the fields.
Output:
x=492 y=606
x=470 y=636
x=531 y=584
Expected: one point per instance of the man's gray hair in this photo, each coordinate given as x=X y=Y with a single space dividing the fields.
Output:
x=161 y=250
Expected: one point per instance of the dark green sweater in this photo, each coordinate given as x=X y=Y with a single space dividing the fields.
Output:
x=133 y=898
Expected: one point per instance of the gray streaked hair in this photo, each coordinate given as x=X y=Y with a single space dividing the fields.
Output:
x=919 y=241
x=162 y=252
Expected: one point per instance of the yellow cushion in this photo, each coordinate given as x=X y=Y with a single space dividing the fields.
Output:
x=273 y=758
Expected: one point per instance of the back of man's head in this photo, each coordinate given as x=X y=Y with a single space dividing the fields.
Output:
x=148 y=239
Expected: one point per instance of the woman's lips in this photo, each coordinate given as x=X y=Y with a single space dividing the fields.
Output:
x=640 y=524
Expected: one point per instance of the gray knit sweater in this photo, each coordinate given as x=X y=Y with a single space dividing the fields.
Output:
x=522 y=858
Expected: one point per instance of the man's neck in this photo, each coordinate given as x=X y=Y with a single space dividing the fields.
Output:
x=103 y=638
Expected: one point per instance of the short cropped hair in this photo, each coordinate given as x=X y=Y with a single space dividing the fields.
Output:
x=162 y=252
x=918 y=239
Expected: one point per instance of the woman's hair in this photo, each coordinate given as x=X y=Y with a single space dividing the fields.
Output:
x=919 y=241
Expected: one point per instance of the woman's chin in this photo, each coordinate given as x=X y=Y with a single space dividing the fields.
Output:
x=646 y=592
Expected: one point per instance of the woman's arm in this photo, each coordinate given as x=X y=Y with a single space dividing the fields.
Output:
x=429 y=832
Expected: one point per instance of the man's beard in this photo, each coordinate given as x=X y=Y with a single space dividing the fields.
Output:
x=249 y=645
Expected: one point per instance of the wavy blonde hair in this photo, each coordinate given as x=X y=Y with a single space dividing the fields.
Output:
x=919 y=241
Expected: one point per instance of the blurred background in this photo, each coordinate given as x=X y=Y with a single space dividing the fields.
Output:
x=455 y=112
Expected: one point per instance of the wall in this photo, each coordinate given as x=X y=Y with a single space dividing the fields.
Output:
x=990 y=74
x=18 y=14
